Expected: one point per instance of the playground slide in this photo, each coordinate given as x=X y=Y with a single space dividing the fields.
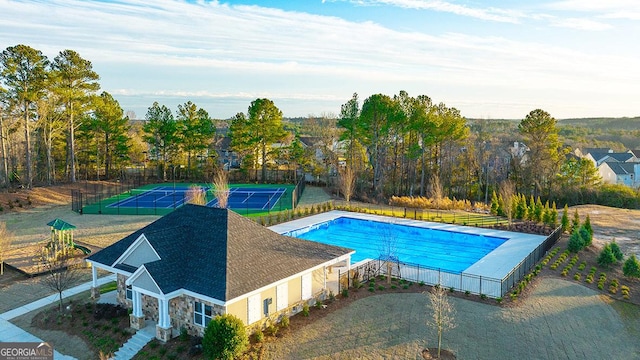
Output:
x=85 y=250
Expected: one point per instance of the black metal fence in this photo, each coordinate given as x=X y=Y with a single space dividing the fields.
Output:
x=474 y=284
x=297 y=192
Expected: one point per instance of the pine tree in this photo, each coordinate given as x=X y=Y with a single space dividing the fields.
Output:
x=537 y=215
x=564 y=221
x=576 y=243
x=606 y=256
x=546 y=214
x=494 y=203
x=554 y=215
x=586 y=235
x=615 y=249
x=500 y=209
x=575 y=224
x=587 y=225
x=631 y=267
x=531 y=210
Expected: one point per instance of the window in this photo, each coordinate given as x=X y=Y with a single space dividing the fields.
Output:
x=267 y=302
x=129 y=294
x=202 y=314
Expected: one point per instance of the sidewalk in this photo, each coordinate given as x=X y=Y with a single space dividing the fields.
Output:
x=12 y=333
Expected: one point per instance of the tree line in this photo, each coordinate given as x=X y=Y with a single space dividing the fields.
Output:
x=55 y=125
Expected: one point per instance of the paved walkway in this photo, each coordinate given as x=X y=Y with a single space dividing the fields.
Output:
x=12 y=333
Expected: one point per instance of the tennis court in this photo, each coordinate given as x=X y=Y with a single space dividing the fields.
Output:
x=167 y=197
x=161 y=199
x=252 y=198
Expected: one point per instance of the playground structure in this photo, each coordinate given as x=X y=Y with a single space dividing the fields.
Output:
x=62 y=239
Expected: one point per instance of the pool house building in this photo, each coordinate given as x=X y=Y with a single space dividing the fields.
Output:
x=185 y=268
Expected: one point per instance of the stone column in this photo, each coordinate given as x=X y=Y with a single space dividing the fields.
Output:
x=95 y=290
x=136 y=319
x=163 y=329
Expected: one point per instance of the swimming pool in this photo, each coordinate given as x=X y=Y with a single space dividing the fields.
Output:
x=447 y=250
x=478 y=260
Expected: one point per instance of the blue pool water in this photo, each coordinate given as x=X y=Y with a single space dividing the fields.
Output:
x=447 y=250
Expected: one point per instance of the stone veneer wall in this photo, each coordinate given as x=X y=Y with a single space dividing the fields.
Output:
x=150 y=308
x=181 y=310
x=121 y=296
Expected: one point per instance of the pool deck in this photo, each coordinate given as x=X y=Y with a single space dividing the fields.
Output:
x=497 y=264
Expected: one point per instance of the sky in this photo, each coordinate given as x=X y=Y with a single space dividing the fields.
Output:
x=489 y=59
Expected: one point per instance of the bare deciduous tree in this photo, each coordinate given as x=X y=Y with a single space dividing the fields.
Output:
x=221 y=188
x=443 y=312
x=196 y=195
x=436 y=190
x=389 y=250
x=347 y=182
x=6 y=239
x=59 y=270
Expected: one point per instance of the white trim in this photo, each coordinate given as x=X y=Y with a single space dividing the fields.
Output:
x=287 y=279
x=134 y=246
x=196 y=296
x=143 y=270
x=108 y=268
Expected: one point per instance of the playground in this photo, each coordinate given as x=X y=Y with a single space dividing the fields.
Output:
x=29 y=259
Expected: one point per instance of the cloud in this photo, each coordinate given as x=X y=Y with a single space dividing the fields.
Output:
x=219 y=52
x=489 y=13
x=594 y=5
x=581 y=24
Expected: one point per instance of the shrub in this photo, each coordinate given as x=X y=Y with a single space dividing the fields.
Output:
x=577 y=276
x=345 y=293
x=224 y=338
x=617 y=253
x=586 y=235
x=606 y=256
x=184 y=336
x=576 y=242
x=564 y=221
x=284 y=322
x=271 y=329
x=305 y=310
x=258 y=336
x=631 y=267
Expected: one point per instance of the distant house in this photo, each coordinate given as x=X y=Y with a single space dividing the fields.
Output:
x=622 y=173
x=196 y=262
x=227 y=158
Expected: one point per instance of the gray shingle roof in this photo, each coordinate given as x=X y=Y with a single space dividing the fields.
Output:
x=621 y=157
x=621 y=168
x=220 y=254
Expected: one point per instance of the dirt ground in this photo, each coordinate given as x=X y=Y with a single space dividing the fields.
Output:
x=558 y=320
x=623 y=225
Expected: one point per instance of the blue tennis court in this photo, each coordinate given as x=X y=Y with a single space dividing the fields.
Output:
x=167 y=197
x=252 y=198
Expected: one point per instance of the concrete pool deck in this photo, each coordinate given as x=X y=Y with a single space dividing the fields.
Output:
x=497 y=264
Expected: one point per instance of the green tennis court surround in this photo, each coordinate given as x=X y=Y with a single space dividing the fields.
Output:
x=160 y=199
